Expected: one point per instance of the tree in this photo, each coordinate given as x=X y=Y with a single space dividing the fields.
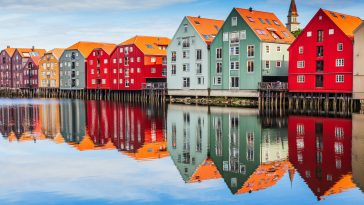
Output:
x=297 y=33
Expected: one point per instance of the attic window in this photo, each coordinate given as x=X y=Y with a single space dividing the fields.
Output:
x=206 y=37
x=217 y=28
x=333 y=14
x=149 y=46
x=261 y=32
x=197 y=22
x=267 y=20
x=261 y=20
x=276 y=23
x=343 y=17
x=250 y=19
x=275 y=35
x=285 y=34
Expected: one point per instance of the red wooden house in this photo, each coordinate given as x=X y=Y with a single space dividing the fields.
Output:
x=30 y=73
x=320 y=150
x=98 y=68
x=139 y=61
x=321 y=58
x=5 y=67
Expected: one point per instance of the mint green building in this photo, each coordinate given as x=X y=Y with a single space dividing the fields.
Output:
x=251 y=47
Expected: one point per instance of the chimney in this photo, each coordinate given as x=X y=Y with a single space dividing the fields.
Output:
x=199 y=16
x=7 y=46
x=33 y=48
x=251 y=9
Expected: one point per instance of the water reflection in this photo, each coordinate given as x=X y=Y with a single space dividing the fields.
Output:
x=245 y=151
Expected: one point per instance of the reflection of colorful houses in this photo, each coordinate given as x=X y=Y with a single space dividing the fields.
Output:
x=188 y=144
x=73 y=120
x=49 y=114
x=245 y=152
x=320 y=150
x=357 y=155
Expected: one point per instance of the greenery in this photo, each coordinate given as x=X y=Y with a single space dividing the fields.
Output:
x=297 y=33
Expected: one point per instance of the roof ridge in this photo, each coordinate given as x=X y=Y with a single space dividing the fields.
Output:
x=340 y=13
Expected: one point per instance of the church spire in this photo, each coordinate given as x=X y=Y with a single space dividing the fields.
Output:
x=292 y=23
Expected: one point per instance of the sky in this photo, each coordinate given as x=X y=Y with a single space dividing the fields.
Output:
x=58 y=24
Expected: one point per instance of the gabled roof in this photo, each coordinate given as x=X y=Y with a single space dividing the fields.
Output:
x=86 y=47
x=357 y=29
x=24 y=52
x=35 y=59
x=346 y=23
x=266 y=26
x=345 y=183
x=149 y=45
x=108 y=48
x=207 y=28
x=10 y=51
x=206 y=171
x=56 y=52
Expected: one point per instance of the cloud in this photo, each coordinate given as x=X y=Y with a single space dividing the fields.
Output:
x=85 y=5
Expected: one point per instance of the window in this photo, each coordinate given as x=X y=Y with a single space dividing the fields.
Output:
x=105 y=70
x=93 y=81
x=300 y=64
x=250 y=66
x=138 y=59
x=339 y=78
x=309 y=33
x=126 y=83
x=186 y=54
x=234 y=21
x=267 y=49
x=339 y=62
x=267 y=64
x=103 y=81
x=319 y=81
x=243 y=35
x=261 y=21
x=278 y=49
x=320 y=51
x=217 y=80
x=132 y=81
x=153 y=70
x=225 y=36
x=114 y=81
x=105 y=61
x=174 y=56
x=250 y=19
x=251 y=51
x=339 y=132
x=300 y=50
x=261 y=32
x=331 y=31
x=234 y=37
x=185 y=42
x=114 y=60
x=200 y=81
x=186 y=82
x=153 y=59
x=185 y=28
x=198 y=68
x=234 y=50
x=276 y=22
x=234 y=82
x=320 y=36
x=198 y=54
x=219 y=67
x=300 y=130
x=300 y=79
x=186 y=67
x=219 y=53
x=278 y=64
x=234 y=65
x=174 y=69
x=340 y=47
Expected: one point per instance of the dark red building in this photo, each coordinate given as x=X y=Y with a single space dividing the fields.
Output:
x=321 y=58
x=320 y=150
x=139 y=61
x=5 y=67
x=19 y=60
x=29 y=75
x=98 y=72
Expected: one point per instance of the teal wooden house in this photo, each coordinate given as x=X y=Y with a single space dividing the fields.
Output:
x=251 y=47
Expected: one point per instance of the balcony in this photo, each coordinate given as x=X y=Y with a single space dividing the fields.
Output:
x=273 y=86
x=154 y=86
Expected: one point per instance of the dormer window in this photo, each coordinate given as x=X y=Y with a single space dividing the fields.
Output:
x=261 y=21
x=250 y=19
x=276 y=23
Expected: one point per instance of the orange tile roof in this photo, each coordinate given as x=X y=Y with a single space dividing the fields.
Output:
x=87 y=47
x=148 y=151
x=206 y=171
x=149 y=45
x=36 y=59
x=29 y=50
x=12 y=137
x=345 y=183
x=266 y=175
x=207 y=28
x=59 y=139
x=268 y=29
x=108 y=48
x=346 y=23
x=56 y=52
x=10 y=51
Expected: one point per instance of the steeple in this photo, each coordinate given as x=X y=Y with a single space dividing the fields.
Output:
x=292 y=23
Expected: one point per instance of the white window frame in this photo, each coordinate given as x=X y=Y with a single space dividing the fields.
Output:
x=340 y=62
x=300 y=49
x=340 y=45
x=234 y=21
x=300 y=79
x=300 y=64
x=340 y=78
x=280 y=64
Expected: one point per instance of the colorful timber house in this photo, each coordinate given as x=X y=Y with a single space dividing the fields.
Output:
x=188 y=56
x=30 y=74
x=358 y=79
x=321 y=58
x=138 y=63
x=49 y=69
x=5 y=67
x=98 y=72
x=250 y=48
x=73 y=65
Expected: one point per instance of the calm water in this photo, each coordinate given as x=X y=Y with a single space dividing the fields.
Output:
x=97 y=152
